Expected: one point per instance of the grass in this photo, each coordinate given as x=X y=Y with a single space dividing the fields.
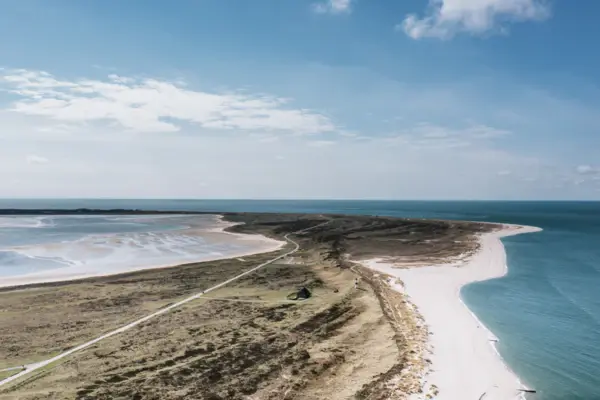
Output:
x=8 y=374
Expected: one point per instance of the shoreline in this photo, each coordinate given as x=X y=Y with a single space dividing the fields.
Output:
x=465 y=362
x=59 y=275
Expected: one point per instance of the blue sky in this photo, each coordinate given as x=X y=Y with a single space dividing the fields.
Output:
x=394 y=99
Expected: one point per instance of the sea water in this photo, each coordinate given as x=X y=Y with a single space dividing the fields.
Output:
x=545 y=311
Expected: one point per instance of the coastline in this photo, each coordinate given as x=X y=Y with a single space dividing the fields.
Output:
x=366 y=343
x=464 y=360
x=263 y=245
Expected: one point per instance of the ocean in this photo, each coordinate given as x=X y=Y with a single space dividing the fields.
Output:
x=545 y=311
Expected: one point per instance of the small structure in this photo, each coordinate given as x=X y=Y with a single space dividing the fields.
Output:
x=301 y=294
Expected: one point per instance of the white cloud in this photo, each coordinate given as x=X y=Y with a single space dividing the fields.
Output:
x=587 y=174
x=449 y=157
x=239 y=166
x=446 y=18
x=333 y=7
x=56 y=128
x=426 y=135
x=321 y=143
x=33 y=159
x=504 y=173
x=587 y=170
x=151 y=105
x=265 y=138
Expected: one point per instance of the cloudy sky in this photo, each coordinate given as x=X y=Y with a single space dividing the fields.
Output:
x=375 y=99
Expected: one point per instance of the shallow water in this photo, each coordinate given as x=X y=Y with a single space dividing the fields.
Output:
x=106 y=244
x=546 y=311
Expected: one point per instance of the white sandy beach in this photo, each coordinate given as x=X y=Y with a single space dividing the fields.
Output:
x=464 y=361
x=254 y=244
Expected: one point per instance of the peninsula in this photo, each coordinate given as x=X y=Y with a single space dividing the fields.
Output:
x=227 y=329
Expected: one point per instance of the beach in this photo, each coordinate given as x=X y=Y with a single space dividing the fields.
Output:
x=464 y=361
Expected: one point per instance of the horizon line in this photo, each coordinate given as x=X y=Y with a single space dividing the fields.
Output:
x=290 y=199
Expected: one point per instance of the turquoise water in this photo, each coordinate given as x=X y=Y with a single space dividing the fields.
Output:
x=546 y=311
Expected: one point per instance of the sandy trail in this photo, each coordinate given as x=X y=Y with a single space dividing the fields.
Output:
x=33 y=367
x=465 y=363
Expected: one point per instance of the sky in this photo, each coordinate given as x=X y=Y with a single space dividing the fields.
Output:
x=300 y=99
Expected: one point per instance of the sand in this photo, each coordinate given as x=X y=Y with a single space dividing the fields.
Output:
x=215 y=234
x=464 y=361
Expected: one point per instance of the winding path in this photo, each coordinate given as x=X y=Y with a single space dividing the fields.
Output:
x=33 y=367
